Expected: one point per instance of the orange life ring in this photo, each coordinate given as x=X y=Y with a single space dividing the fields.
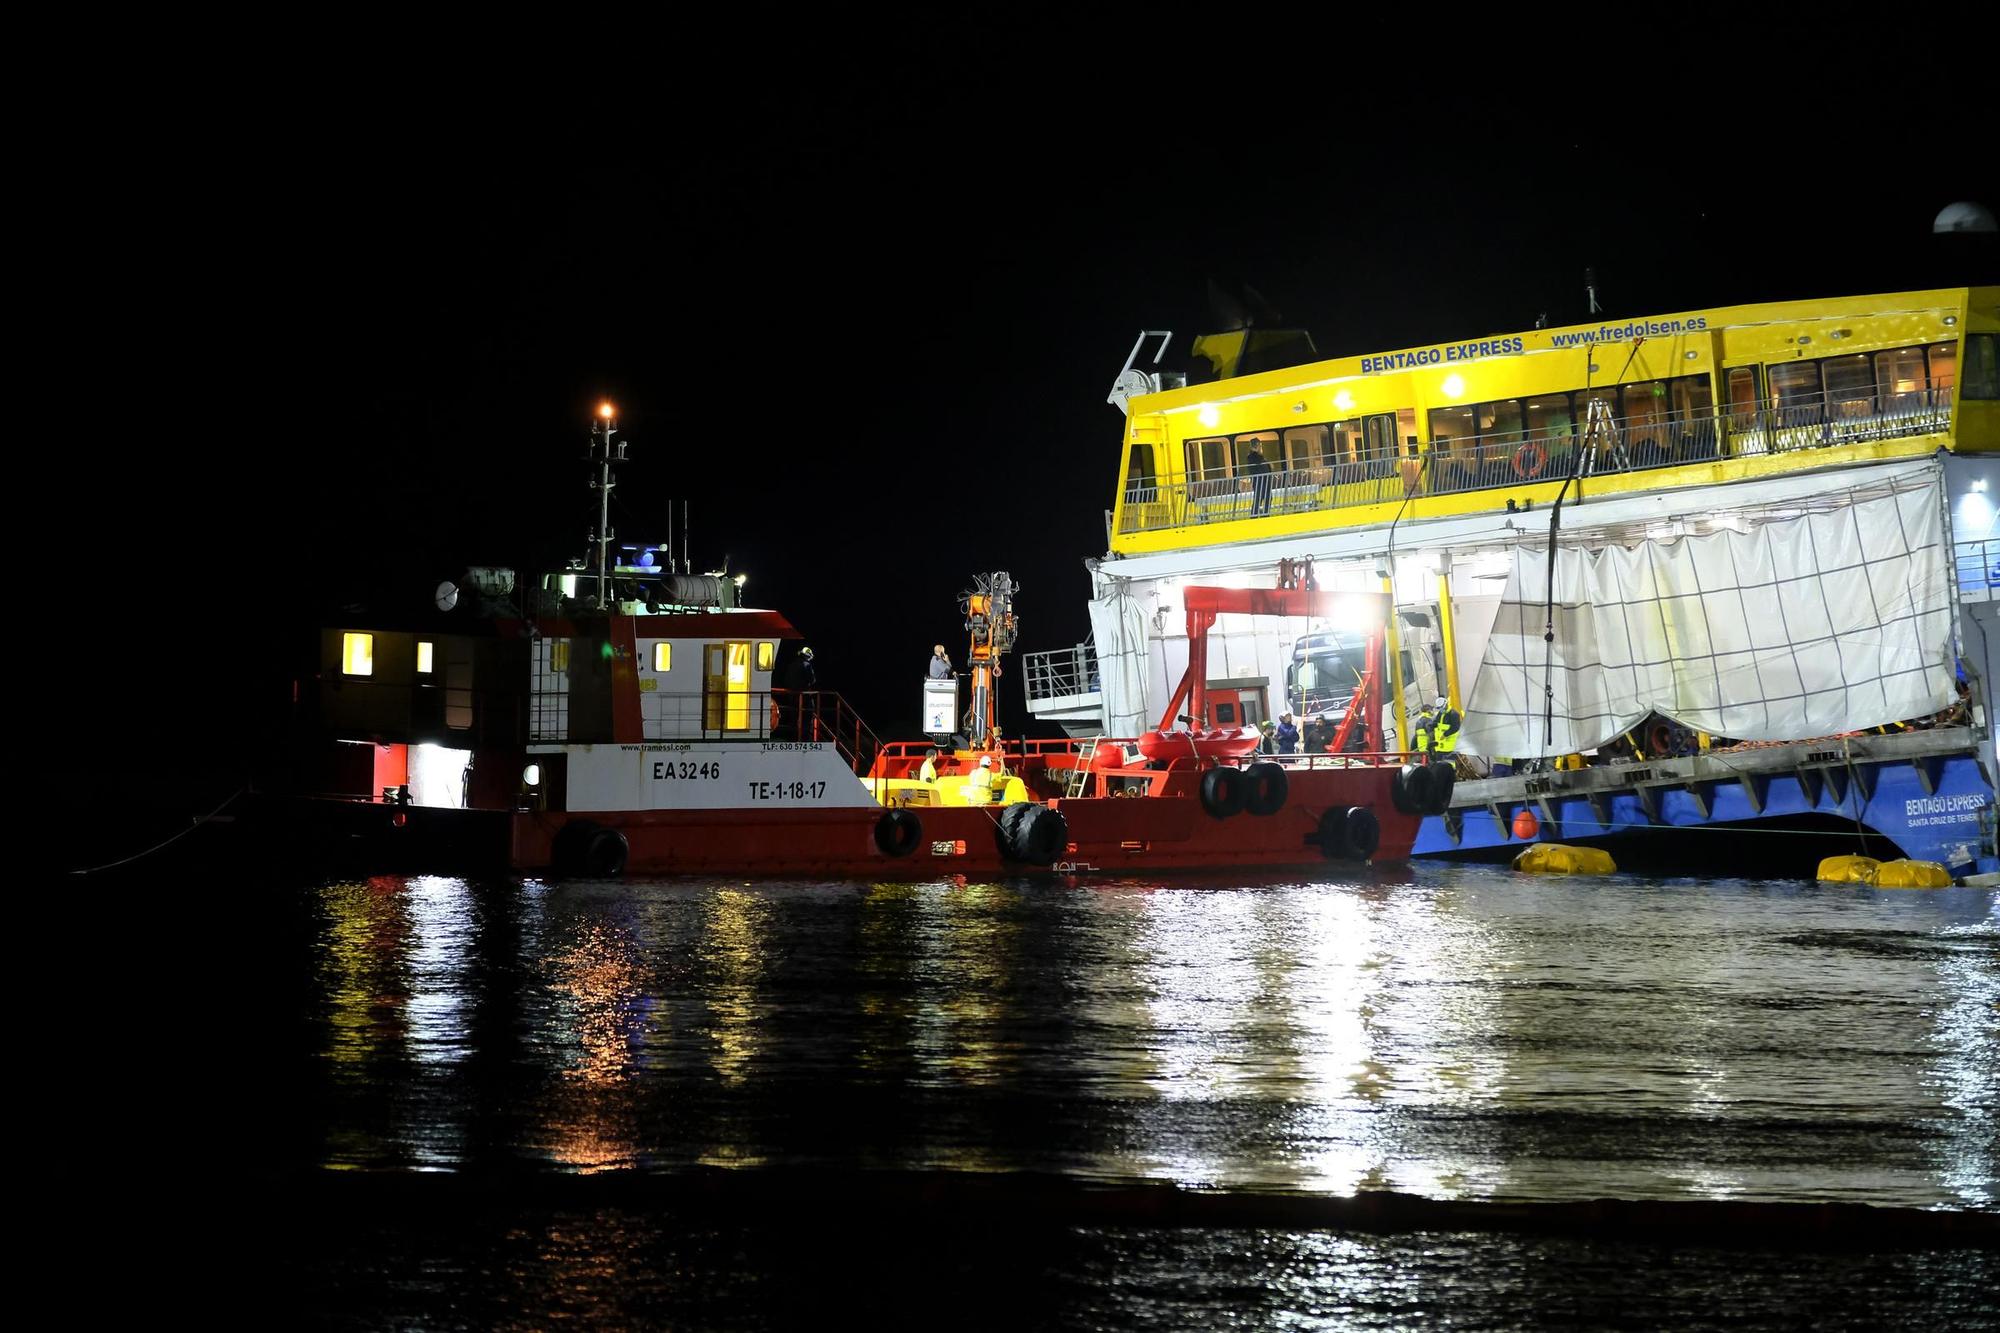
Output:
x=1529 y=460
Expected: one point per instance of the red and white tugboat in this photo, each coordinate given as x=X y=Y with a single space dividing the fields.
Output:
x=629 y=720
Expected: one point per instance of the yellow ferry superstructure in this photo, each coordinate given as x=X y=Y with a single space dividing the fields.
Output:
x=1698 y=398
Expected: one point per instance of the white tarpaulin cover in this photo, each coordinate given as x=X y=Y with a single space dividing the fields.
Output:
x=1118 y=625
x=1801 y=627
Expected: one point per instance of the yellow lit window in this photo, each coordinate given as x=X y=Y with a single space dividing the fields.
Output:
x=357 y=654
x=426 y=657
x=663 y=657
x=766 y=654
x=559 y=655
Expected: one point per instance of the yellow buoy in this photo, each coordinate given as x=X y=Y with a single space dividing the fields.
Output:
x=1553 y=858
x=1848 y=870
x=1912 y=875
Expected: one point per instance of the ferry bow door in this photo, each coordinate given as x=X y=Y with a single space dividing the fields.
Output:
x=726 y=696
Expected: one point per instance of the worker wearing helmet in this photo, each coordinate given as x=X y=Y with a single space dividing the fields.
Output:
x=979 y=782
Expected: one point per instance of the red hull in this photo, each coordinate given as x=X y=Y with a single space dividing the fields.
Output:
x=1142 y=834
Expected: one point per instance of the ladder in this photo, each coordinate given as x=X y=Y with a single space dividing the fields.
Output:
x=1079 y=778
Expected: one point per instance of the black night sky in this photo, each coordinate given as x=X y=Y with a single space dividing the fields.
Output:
x=345 y=347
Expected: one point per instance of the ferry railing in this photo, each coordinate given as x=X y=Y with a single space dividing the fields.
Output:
x=1060 y=673
x=1495 y=459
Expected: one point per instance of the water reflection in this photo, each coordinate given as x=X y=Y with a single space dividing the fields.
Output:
x=1461 y=1032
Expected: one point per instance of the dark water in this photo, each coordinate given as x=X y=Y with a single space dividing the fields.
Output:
x=1455 y=1033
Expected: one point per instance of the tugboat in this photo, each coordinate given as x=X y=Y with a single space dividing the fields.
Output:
x=630 y=720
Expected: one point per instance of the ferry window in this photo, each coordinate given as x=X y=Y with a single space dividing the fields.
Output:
x=1795 y=392
x=1225 y=715
x=426 y=657
x=1209 y=458
x=1944 y=364
x=1982 y=367
x=1691 y=396
x=663 y=657
x=1448 y=424
x=1140 y=479
x=1549 y=416
x=1264 y=442
x=1850 y=385
x=1502 y=419
x=559 y=655
x=357 y=654
x=1900 y=376
x=1307 y=447
x=1643 y=405
x=767 y=653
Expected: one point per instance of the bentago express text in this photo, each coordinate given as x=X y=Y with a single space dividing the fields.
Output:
x=1472 y=351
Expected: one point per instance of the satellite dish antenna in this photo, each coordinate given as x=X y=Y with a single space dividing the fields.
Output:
x=447 y=595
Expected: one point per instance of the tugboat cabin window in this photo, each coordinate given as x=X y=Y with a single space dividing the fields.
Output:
x=426 y=657
x=357 y=654
x=663 y=657
x=767 y=653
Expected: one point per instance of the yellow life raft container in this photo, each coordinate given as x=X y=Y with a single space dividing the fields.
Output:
x=1554 y=858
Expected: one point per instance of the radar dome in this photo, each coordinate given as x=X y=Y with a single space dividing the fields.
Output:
x=1965 y=216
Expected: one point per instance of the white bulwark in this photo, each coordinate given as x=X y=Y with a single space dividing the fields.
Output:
x=749 y=775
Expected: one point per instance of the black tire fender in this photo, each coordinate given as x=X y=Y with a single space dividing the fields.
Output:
x=1410 y=789
x=1223 y=791
x=1265 y=788
x=1443 y=779
x=606 y=853
x=898 y=832
x=1032 y=834
x=1360 y=833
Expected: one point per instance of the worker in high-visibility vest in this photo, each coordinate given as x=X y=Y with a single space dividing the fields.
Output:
x=979 y=782
x=1426 y=723
x=1444 y=731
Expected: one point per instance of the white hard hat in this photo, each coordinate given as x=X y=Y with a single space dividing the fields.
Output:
x=986 y=761
x=1441 y=701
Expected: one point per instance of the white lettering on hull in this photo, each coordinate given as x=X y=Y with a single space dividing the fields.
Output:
x=681 y=776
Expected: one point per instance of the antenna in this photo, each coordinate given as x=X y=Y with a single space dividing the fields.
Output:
x=686 y=559
x=602 y=427
x=1590 y=290
x=671 y=567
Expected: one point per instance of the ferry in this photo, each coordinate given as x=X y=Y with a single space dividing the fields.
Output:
x=627 y=714
x=1718 y=569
